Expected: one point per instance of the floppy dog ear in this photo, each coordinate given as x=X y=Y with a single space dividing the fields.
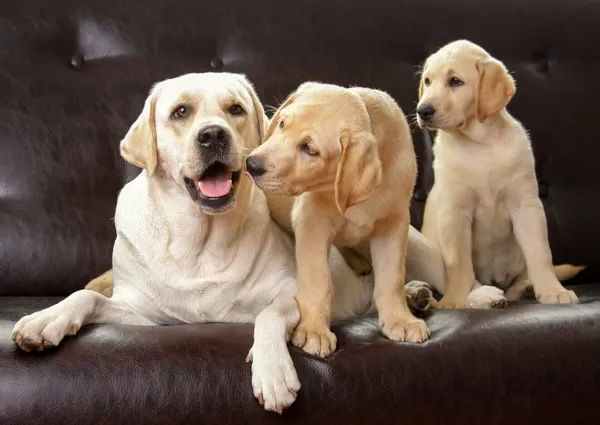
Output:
x=359 y=170
x=496 y=88
x=138 y=147
x=258 y=108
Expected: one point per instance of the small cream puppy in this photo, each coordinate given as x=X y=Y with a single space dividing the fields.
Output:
x=483 y=212
x=348 y=156
x=195 y=242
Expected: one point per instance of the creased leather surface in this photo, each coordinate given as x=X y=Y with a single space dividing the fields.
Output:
x=529 y=364
x=74 y=74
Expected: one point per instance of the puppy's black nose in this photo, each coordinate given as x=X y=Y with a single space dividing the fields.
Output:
x=255 y=166
x=213 y=136
x=425 y=112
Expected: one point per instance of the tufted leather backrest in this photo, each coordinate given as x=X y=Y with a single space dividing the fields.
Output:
x=74 y=75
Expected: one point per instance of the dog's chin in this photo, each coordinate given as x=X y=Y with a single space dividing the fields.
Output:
x=431 y=126
x=214 y=189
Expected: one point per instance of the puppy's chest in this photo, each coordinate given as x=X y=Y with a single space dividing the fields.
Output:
x=357 y=226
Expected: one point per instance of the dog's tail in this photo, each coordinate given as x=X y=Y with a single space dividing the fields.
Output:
x=567 y=271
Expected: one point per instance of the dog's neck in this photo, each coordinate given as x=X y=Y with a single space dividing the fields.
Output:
x=483 y=132
x=189 y=226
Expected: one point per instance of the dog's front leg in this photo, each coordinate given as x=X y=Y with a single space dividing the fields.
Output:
x=388 y=253
x=531 y=232
x=315 y=287
x=48 y=327
x=274 y=379
x=455 y=236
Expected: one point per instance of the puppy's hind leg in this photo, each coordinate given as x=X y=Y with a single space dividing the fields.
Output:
x=48 y=327
x=102 y=284
x=274 y=379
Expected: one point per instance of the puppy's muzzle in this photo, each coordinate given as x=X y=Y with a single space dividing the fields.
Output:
x=255 y=166
x=426 y=112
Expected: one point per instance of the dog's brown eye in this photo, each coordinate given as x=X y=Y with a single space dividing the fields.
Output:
x=455 y=82
x=307 y=149
x=281 y=124
x=236 y=109
x=426 y=81
x=180 y=112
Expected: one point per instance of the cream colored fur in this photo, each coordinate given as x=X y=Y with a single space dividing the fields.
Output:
x=483 y=212
x=348 y=156
x=177 y=260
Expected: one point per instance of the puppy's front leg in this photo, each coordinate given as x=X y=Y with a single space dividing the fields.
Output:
x=388 y=252
x=531 y=232
x=48 y=327
x=315 y=287
x=454 y=229
x=274 y=379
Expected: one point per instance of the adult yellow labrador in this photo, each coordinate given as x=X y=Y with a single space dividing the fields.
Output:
x=195 y=242
x=483 y=212
x=348 y=156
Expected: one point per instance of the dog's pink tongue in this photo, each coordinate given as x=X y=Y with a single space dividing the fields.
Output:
x=215 y=186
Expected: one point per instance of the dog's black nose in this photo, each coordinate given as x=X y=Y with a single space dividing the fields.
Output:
x=213 y=136
x=255 y=166
x=425 y=112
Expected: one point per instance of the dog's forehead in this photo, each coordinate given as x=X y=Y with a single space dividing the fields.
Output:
x=457 y=55
x=198 y=87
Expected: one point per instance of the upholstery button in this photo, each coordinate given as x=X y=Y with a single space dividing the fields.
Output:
x=77 y=61
x=216 y=63
x=419 y=195
x=542 y=63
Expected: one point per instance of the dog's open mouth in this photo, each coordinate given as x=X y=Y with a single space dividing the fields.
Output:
x=216 y=182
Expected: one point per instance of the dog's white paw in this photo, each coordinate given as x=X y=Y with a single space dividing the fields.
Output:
x=45 y=329
x=486 y=296
x=274 y=379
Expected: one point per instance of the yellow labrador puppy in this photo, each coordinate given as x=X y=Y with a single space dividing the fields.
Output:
x=195 y=242
x=483 y=212
x=349 y=156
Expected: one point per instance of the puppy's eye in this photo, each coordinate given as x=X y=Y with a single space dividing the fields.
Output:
x=455 y=82
x=236 y=109
x=281 y=124
x=180 y=112
x=426 y=81
x=308 y=149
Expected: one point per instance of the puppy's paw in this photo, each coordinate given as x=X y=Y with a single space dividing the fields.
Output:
x=486 y=296
x=44 y=329
x=274 y=380
x=314 y=339
x=405 y=327
x=563 y=296
x=418 y=295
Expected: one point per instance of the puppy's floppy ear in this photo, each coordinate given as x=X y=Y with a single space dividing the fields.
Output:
x=496 y=88
x=359 y=171
x=138 y=147
x=258 y=108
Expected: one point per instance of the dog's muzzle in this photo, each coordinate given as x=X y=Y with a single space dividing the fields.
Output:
x=214 y=187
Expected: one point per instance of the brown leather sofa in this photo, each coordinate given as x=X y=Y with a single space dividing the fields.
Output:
x=73 y=76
